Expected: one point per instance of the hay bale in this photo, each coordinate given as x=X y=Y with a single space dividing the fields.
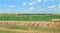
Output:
x=31 y=24
x=55 y=20
x=36 y=24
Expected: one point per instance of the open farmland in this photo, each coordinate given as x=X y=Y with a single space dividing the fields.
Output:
x=27 y=17
x=27 y=23
x=29 y=27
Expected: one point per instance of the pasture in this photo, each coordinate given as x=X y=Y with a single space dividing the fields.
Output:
x=27 y=17
x=28 y=23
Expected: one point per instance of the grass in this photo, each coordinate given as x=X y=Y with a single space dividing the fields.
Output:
x=39 y=29
x=4 y=31
x=28 y=17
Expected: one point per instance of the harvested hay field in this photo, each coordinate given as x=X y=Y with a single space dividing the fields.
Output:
x=29 y=27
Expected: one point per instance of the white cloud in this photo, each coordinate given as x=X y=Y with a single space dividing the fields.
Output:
x=6 y=9
x=39 y=0
x=36 y=2
x=5 y=5
x=31 y=0
x=32 y=3
x=59 y=3
x=51 y=6
x=59 y=6
x=24 y=3
x=9 y=6
x=41 y=9
x=13 y=6
x=31 y=8
x=44 y=0
x=53 y=0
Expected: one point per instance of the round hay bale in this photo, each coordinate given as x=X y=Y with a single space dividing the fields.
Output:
x=36 y=24
x=55 y=20
x=31 y=24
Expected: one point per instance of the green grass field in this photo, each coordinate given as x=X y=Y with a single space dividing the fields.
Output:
x=16 y=17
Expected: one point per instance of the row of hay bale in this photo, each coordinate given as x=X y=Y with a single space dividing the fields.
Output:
x=55 y=20
x=55 y=25
x=28 y=23
x=31 y=23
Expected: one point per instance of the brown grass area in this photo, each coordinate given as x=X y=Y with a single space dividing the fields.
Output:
x=29 y=24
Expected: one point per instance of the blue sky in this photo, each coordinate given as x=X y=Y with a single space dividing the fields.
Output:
x=30 y=6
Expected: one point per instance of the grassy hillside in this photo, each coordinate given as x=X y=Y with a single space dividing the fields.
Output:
x=27 y=17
